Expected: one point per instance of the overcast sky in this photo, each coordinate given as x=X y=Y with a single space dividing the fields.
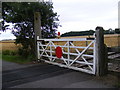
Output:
x=80 y=15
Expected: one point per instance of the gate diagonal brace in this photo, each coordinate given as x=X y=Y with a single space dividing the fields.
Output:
x=81 y=53
x=75 y=48
x=62 y=56
x=87 y=62
x=44 y=49
x=82 y=56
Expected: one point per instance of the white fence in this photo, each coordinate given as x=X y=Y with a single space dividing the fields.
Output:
x=81 y=58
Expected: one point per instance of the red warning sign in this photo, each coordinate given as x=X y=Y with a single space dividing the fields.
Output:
x=58 y=33
x=58 y=52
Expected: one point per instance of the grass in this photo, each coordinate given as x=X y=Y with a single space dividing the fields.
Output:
x=118 y=85
x=16 y=59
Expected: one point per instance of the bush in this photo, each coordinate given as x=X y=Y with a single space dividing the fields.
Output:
x=24 y=52
x=13 y=53
x=6 y=52
x=31 y=57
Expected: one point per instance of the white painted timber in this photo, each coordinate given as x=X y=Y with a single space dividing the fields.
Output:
x=77 y=59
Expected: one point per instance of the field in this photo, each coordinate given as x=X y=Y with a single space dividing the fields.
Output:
x=9 y=45
x=110 y=41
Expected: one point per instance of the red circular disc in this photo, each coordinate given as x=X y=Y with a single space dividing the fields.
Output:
x=58 y=33
x=58 y=52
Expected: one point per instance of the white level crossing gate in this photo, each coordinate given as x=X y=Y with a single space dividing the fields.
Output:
x=75 y=55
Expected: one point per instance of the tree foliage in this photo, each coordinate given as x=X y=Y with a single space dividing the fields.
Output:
x=21 y=14
x=78 y=33
x=90 y=32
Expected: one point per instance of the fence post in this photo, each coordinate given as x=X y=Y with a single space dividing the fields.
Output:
x=37 y=30
x=101 y=52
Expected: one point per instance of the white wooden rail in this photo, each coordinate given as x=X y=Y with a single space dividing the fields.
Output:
x=79 y=58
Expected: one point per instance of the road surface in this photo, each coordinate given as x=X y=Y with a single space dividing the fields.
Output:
x=47 y=76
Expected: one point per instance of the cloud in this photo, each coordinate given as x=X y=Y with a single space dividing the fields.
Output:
x=7 y=35
x=79 y=15
x=86 y=14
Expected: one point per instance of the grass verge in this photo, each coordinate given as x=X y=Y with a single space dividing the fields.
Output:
x=117 y=85
x=16 y=59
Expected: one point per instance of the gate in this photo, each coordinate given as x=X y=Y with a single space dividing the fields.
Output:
x=72 y=53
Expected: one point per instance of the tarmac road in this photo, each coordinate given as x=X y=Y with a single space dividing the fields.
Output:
x=46 y=76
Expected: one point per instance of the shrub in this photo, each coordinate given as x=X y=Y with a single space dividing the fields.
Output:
x=9 y=52
x=13 y=53
x=24 y=52
x=6 y=52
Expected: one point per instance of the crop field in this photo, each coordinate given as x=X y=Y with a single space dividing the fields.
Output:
x=9 y=45
x=110 y=41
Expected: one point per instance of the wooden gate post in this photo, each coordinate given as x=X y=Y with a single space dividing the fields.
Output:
x=100 y=52
x=37 y=30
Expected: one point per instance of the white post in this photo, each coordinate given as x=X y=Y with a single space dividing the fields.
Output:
x=50 y=50
x=68 y=52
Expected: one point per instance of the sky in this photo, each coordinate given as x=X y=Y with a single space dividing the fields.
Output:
x=81 y=15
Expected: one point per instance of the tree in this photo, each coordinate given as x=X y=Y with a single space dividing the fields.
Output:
x=21 y=14
x=117 y=30
x=78 y=33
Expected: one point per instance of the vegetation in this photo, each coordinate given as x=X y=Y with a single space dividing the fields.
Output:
x=21 y=14
x=90 y=32
x=8 y=52
x=79 y=33
x=16 y=59
x=12 y=56
x=110 y=31
x=118 y=84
